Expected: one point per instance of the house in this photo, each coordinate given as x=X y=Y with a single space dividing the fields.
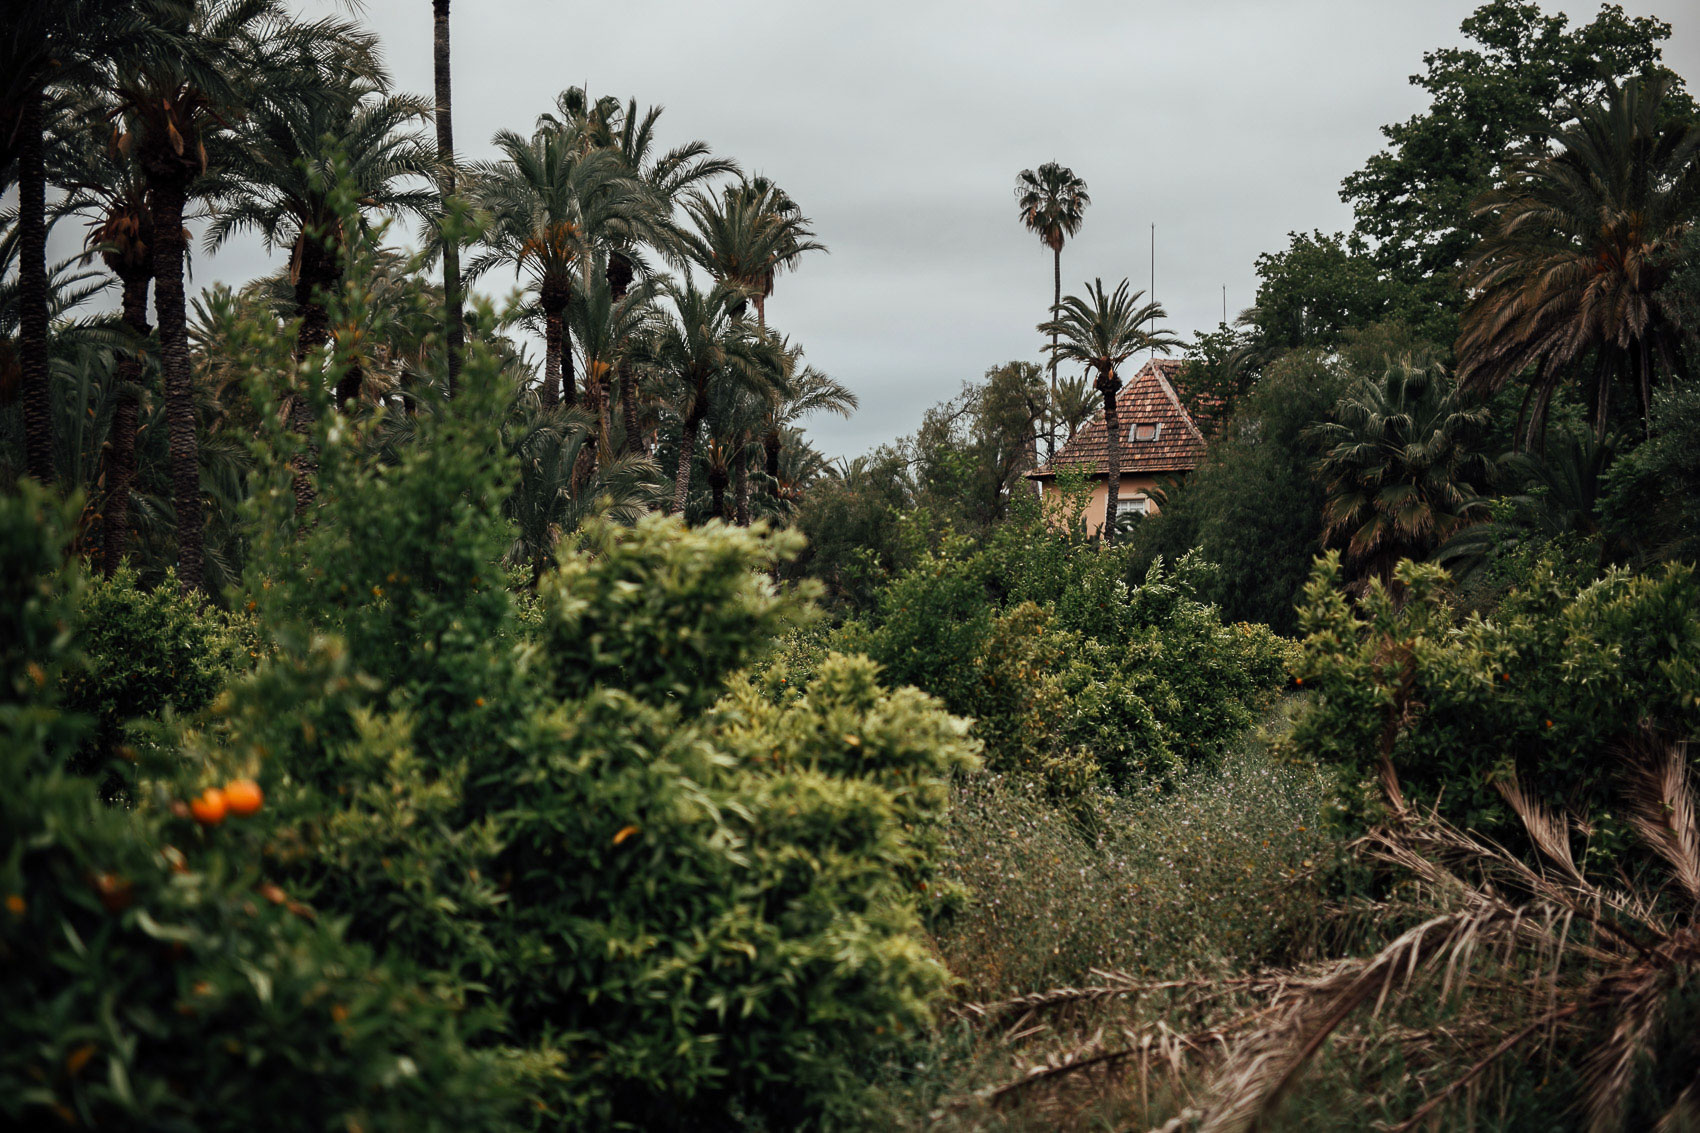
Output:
x=1159 y=443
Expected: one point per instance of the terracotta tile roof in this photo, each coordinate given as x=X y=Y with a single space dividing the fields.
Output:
x=1148 y=398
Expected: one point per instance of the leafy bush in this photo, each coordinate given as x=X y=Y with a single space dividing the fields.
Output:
x=1253 y=506
x=1222 y=868
x=150 y=975
x=1556 y=677
x=1066 y=668
x=145 y=653
x=669 y=896
x=716 y=911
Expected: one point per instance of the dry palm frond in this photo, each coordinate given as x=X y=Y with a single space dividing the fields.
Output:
x=1578 y=958
x=1155 y=1045
x=1635 y=959
x=1662 y=809
x=1262 y=1070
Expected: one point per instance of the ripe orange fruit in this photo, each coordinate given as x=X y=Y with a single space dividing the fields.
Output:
x=243 y=796
x=209 y=806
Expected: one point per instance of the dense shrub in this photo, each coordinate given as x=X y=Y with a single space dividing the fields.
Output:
x=1065 y=667
x=680 y=899
x=150 y=975
x=1254 y=506
x=1221 y=869
x=1544 y=690
x=145 y=652
x=716 y=909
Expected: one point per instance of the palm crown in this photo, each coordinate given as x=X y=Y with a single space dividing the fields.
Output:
x=1582 y=242
x=1401 y=468
x=1102 y=330
x=1053 y=203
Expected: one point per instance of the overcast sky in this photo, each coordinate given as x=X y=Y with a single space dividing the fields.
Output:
x=899 y=128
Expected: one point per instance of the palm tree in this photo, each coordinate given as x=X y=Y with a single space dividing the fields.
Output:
x=452 y=297
x=294 y=162
x=800 y=465
x=700 y=348
x=1053 y=205
x=47 y=43
x=1558 y=490
x=1401 y=470
x=806 y=391
x=666 y=175
x=1072 y=402
x=1101 y=332
x=552 y=203
x=176 y=97
x=108 y=186
x=746 y=236
x=734 y=413
x=1581 y=245
x=609 y=329
x=547 y=502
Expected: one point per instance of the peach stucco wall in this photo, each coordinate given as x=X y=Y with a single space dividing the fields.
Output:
x=1094 y=517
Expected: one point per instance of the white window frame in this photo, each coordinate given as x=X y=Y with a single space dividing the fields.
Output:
x=1139 y=503
x=1134 y=438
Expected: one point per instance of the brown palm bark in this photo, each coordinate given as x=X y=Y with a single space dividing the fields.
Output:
x=1109 y=384
x=121 y=433
x=596 y=404
x=717 y=480
x=1056 y=301
x=169 y=183
x=553 y=332
x=452 y=297
x=32 y=293
x=620 y=274
x=349 y=385
x=741 y=488
x=631 y=443
x=687 y=450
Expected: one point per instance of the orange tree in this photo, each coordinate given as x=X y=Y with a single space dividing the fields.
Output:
x=152 y=975
x=663 y=903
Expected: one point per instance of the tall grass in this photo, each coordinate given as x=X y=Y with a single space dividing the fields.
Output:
x=1217 y=872
x=1221 y=873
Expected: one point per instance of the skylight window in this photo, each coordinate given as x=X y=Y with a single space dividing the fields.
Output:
x=1145 y=431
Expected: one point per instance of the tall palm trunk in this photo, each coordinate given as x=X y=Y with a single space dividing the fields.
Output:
x=741 y=487
x=631 y=442
x=687 y=450
x=595 y=402
x=121 y=434
x=1109 y=384
x=349 y=385
x=168 y=193
x=32 y=293
x=772 y=444
x=552 y=334
x=1056 y=301
x=620 y=274
x=452 y=297
x=717 y=490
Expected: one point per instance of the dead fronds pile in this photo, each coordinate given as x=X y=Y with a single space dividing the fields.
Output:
x=1515 y=966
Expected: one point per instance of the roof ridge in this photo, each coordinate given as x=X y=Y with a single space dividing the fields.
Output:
x=1088 y=445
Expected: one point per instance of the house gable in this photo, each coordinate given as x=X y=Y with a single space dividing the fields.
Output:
x=1158 y=435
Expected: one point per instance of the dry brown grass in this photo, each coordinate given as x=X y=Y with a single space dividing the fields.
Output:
x=1493 y=972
